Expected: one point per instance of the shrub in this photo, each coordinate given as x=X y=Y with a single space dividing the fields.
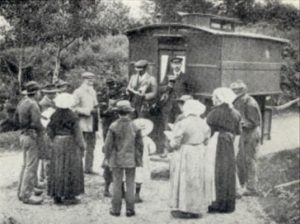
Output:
x=9 y=141
x=281 y=204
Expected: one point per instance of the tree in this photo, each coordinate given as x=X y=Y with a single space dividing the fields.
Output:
x=59 y=22
x=195 y=6
x=113 y=16
x=169 y=8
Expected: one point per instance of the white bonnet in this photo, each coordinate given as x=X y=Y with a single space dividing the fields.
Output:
x=225 y=95
x=64 y=101
x=193 y=107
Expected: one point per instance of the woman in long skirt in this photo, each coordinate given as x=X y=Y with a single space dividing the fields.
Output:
x=224 y=121
x=189 y=198
x=66 y=171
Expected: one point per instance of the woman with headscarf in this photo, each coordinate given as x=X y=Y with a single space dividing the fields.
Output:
x=66 y=179
x=187 y=168
x=224 y=120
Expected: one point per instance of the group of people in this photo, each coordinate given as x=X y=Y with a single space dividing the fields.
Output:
x=61 y=136
x=57 y=131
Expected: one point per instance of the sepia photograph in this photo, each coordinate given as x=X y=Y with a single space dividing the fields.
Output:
x=149 y=111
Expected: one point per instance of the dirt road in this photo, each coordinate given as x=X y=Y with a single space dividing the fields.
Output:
x=94 y=207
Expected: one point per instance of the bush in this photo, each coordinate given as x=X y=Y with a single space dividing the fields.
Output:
x=9 y=141
x=281 y=204
x=104 y=56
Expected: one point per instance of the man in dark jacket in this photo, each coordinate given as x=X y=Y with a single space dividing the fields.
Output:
x=29 y=119
x=142 y=89
x=250 y=137
x=123 y=150
x=173 y=87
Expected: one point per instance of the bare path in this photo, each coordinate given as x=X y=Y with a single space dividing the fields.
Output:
x=94 y=207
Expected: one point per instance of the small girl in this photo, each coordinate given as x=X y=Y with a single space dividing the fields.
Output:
x=143 y=173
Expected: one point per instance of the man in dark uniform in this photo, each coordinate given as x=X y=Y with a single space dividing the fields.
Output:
x=28 y=117
x=173 y=87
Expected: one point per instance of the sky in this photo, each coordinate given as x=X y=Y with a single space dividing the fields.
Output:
x=136 y=12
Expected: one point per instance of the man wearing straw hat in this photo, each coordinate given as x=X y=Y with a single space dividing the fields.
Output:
x=86 y=108
x=250 y=137
x=28 y=118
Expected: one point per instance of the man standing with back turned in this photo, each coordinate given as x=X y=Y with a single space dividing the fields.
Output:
x=250 y=137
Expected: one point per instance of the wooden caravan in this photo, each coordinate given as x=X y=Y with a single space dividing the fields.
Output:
x=214 y=54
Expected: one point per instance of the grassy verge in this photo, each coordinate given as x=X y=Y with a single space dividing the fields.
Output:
x=9 y=141
x=282 y=204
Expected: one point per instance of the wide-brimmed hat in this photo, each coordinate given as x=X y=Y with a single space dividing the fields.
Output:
x=64 y=101
x=193 y=107
x=124 y=106
x=145 y=125
x=184 y=98
x=50 y=88
x=176 y=60
x=61 y=83
x=31 y=87
x=141 y=64
x=88 y=75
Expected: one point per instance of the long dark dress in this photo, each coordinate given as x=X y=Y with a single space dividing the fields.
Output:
x=225 y=121
x=66 y=171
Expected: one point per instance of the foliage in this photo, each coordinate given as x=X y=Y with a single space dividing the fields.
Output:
x=112 y=16
x=9 y=141
x=282 y=205
x=60 y=24
x=249 y=11
x=105 y=56
x=169 y=8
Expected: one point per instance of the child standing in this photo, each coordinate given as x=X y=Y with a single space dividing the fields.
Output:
x=143 y=173
x=123 y=150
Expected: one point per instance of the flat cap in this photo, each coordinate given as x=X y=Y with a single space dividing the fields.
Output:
x=141 y=64
x=88 y=75
x=239 y=84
